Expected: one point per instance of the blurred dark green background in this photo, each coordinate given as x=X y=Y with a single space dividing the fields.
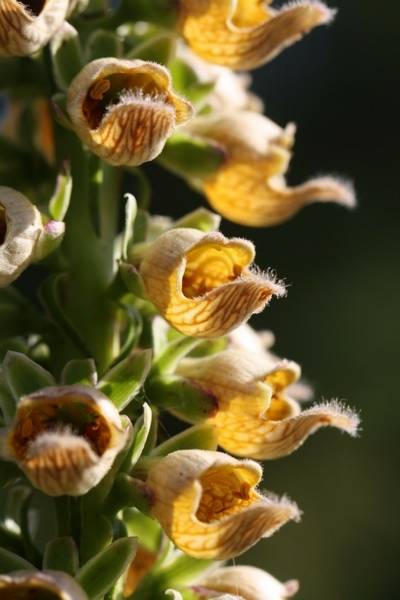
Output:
x=341 y=318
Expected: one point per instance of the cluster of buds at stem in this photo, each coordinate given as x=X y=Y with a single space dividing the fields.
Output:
x=27 y=26
x=124 y=110
x=204 y=285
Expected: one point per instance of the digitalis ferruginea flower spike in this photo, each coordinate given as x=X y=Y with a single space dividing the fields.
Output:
x=249 y=583
x=204 y=284
x=245 y=34
x=51 y=585
x=124 y=110
x=207 y=504
x=20 y=229
x=27 y=26
x=64 y=439
x=255 y=417
x=249 y=188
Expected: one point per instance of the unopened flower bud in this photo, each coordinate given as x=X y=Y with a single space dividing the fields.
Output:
x=207 y=504
x=20 y=229
x=64 y=439
x=26 y=26
x=204 y=284
x=124 y=110
x=245 y=35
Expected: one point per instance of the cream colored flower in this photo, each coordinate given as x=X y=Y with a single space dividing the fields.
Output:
x=26 y=26
x=207 y=504
x=52 y=585
x=256 y=418
x=244 y=34
x=64 y=439
x=249 y=188
x=20 y=229
x=124 y=110
x=247 y=582
x=204 y=284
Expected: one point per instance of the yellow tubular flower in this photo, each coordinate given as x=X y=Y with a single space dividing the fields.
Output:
x=26 y=26
x=124 y=110
x=207 y=504
x=203 y=284
x=64 y=439
x=247 y=582
x=52 y=585
x=249 y=188
x=20 y=229
x=244 y=34
x=255 y=417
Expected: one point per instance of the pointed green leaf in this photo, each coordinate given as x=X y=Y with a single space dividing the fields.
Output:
x=12 y=562
x=61 y=554
x=24 y=376
x=101 y=572
x=66 y=54
x=145 y=528
x=141 y=433
x=123 y=382
x=201 y=219
x=167 y=360
x=59 y=202
x=79 y=371
x=132 y=280
x=159 y=49
x=133 y=330
x=8 y=402
x=130 y=217
x=192 y=156
x=102 y=44
x=200 y=436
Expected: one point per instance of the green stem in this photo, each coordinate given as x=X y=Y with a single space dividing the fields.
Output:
x=62 y=506
x=89 y=248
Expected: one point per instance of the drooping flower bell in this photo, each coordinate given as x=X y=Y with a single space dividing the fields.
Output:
x=27 y=26
x=64 y=439
x=256 y=417
x=207 y=504
x=124 y=110
x=245 y=34
x=204 y=284
x=249 y=187
x=49 y=585
x=249 y=583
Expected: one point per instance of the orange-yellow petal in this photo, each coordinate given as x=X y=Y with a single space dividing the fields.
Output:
x=203 y=284
x=245 y=34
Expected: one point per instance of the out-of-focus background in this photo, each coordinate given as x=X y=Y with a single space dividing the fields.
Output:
x=341 y=318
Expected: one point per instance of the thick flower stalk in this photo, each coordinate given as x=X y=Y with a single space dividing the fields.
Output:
x=48 y=584
x=208 y=505
x=256 y=417
x=249 y=188
x=27 y=26
x=64 y=439
x=204 y=285
x=124 y=110
x=245 y=582
x=245 y=34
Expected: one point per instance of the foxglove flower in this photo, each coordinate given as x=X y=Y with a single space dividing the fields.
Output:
x=124 y=110
x=26 y=585
x=255 y=417
x=245 y=35
x=208 y=505
x=249 y=188
x=27 y=26
x=64 y=439
x=204 y=284
x=245 y=582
